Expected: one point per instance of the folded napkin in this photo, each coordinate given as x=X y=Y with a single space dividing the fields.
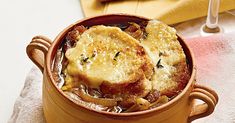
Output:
x=168 y=11
x=215 y=58
x=28 y=106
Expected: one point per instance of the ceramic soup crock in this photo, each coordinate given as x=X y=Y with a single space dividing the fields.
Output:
x=59 y=109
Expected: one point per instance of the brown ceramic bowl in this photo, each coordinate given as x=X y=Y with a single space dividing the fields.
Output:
x=59 y=109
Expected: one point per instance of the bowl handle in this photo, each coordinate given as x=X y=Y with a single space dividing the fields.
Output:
x=208 y=96
x=37 y=50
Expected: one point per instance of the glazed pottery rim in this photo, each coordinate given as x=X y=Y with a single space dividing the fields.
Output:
x=58 y=40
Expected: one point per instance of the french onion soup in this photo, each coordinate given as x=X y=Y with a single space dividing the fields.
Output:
x=121 y=68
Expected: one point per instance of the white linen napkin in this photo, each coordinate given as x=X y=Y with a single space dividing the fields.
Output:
x=28 y=106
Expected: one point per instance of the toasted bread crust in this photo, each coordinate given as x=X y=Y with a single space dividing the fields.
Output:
x=160 y=40
x=171 y=73
x=136 y=88
x=117 y=54
x=157 y=63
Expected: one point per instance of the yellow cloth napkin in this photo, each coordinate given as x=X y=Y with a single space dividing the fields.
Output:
x=168 y=11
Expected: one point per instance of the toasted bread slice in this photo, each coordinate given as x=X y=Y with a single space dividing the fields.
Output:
x=108 y=55
x=170 y=72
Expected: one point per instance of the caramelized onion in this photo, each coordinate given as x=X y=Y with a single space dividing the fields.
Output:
x=134 y=30
x=77 y=100
x=57 y=68
x=161 y=100
x=140 y=105
x=116 y=109
x=153 y=96
x=73 y=35
x=100 y=101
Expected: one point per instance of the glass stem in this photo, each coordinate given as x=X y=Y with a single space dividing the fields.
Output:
x=212 y=15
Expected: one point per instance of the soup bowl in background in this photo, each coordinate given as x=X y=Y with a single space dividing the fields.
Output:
x=60 y=109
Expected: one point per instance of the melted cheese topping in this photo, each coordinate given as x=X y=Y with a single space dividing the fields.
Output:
x=105 y=54
x=165 y=51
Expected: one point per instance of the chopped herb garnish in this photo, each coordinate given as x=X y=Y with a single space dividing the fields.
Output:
x=116 y=55
x=160 y=54
x=153 y=70
x=159 y=64
x=145 y=34
x=85 y=59
x=82 y=55
x=94 y=54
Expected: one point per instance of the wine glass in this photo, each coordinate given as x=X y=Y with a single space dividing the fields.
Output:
x=211 y=26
